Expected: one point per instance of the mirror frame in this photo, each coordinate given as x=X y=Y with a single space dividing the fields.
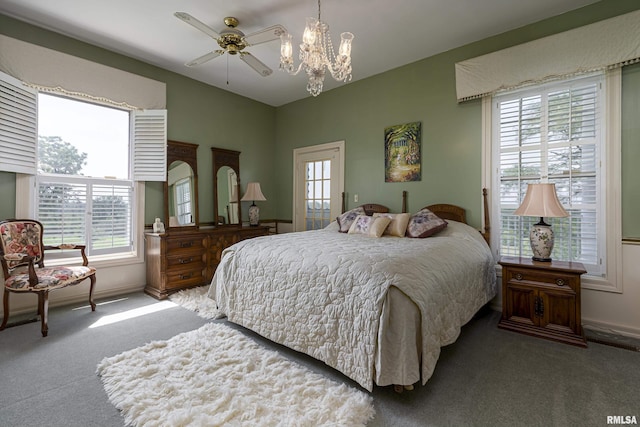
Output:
x=186 y=152
x=222 y=157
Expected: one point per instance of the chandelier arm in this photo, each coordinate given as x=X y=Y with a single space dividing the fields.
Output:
x=293 y=73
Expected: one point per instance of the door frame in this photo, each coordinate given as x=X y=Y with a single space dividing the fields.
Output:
x=336 y=149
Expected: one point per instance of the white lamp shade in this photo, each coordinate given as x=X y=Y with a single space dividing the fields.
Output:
x=253 y=193
x=541 y=200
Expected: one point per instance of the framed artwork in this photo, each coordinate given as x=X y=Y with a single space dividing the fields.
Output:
x=403 y=152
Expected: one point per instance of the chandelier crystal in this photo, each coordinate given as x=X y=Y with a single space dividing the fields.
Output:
x=317 y=55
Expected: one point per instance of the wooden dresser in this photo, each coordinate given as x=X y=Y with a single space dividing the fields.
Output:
x=183 y=259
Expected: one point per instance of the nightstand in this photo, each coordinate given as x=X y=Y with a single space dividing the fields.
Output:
x=542 y=299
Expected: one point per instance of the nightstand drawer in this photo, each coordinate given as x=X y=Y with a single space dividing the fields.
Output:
x=540 y=277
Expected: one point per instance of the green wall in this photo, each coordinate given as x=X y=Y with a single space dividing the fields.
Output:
x=631 y=151
x=197 y=113
x=356 y=113
x=451 y=133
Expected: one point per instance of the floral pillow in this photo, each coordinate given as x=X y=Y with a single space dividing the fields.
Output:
x=425 y=223
x=398 y=224
x=346 y=219
x=369 y=225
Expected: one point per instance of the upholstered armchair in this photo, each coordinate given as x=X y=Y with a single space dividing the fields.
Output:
x=22 y=258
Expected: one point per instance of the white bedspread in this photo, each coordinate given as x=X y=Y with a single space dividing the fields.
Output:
x=321 y=292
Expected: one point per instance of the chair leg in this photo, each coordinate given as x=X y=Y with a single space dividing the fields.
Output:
x=93 y=284
x=5 y=318
x=43 y=310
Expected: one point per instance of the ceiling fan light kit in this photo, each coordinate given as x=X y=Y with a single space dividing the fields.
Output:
x=317 y=55
x=233 y=41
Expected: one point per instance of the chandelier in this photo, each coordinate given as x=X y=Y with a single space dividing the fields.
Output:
x=317 y=55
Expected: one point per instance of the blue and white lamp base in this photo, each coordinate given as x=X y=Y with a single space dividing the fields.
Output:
x=254 y=215
x=542 y=240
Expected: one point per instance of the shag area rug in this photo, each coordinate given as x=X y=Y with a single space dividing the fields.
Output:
x=217 y=376
x=196 y=299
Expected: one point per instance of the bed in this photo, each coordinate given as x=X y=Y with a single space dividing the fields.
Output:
x=376 y=309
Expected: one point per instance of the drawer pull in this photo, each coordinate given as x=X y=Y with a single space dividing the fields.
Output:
x=560 y=282
x=186 y=261
x=185 y=276
x=518 y=276
x=186 y=244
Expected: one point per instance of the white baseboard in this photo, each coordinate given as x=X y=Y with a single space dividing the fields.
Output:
x=72 y=299
x=611 y=328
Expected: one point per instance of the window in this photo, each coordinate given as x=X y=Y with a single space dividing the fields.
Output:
x=84 y=192
x=80 y=166
x=183 y=201
x=318 y=194
x=553 y=133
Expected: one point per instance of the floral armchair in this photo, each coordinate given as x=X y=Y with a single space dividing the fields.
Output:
x=22 y=258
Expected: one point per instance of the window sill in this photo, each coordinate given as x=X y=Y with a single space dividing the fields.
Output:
x=99 y=261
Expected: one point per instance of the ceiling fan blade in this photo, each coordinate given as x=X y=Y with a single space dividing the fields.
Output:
x=204 y=58
x=266 y=35
x=256 y=64
x=197 y=24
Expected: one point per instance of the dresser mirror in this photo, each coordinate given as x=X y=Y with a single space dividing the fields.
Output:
x=226 y=186
x=181 y=186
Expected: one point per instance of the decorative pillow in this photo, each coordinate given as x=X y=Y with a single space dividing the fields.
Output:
x=425 y=223
x=398 y=224
x=369 y=225
x=346 y=219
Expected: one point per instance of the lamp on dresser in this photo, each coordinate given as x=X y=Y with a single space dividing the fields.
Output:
x=253 y=193
x=541 y=200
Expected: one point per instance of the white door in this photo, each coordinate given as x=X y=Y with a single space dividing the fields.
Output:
x=318 y=183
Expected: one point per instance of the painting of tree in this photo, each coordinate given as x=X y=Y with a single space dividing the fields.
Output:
x=402 y=157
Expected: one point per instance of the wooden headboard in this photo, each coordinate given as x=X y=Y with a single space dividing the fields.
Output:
x=443 y=210
x=456 y=213
x=371 y=208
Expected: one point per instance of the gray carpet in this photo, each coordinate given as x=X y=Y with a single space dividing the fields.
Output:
x=489 y=377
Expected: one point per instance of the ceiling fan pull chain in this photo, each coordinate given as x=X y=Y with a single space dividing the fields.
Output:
x=227 y=70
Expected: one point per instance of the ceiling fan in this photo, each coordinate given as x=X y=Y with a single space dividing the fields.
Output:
x=233 y=41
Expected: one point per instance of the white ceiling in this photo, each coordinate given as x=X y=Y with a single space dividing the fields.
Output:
x=388 y=34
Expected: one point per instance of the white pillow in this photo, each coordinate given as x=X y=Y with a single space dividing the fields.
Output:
x=398 y=224
x=369 y=225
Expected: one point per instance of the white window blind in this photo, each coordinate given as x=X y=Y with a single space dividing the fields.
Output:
x=553 y=134
x=18 y=126
x=62 y=209
x=79 y=210
x=111 y=220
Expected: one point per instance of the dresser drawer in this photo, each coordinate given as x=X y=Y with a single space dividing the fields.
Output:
x=177 y=279
x=248 y=233
x=186 y=244
x=186 y=261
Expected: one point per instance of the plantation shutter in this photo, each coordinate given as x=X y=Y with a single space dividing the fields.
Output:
x=149 y=137
x=552 y=135
x=62 y=210
x=111 y=217
x=18 y=126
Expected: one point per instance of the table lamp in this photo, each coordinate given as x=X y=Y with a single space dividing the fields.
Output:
x=541 y=200
x=253 y=193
